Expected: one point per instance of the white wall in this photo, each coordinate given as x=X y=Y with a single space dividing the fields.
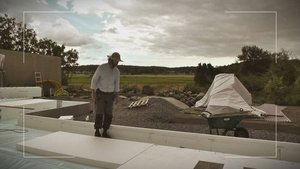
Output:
x=20 y=92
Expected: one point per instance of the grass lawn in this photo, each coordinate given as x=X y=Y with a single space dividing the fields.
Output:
x=157 y=81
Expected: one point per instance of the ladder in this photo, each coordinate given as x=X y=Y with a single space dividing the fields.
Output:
x=38 y=78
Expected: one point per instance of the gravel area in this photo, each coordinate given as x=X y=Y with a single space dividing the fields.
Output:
x=159 y=113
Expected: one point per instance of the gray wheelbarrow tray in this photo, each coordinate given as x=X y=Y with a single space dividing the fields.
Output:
x=228 y=122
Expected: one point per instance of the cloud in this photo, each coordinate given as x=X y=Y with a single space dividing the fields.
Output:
x=61 y=31
x=93 y=7
x=42 y=1
x=15 y=8
x=112 y=30
x=164 y=30
x=197 y=28
x=63 y=3
x=126 y=40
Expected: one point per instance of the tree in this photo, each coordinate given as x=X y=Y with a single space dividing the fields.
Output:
x=204 y=74
x=282 y=55
x=8 y=33
x=13 y=36
x=70 y=58
x=275 y=89
x=30 y=40
x=254 y=60
x=294 y=99
x=253 y=53
x=46 y=46
x=286 y=70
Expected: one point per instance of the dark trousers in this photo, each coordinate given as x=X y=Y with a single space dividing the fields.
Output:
x=103 y=109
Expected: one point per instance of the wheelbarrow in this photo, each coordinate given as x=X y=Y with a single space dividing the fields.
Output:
x=227 y=122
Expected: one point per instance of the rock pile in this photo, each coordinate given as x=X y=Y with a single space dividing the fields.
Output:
x=186 y=97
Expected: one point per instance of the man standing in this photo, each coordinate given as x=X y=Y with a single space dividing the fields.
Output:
x=105 y=87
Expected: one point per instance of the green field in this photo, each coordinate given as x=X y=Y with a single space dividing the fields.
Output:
x=158 y=81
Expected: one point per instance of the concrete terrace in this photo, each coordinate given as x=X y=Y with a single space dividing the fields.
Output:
x=55 y=143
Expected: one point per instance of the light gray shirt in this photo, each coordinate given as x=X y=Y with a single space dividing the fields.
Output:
x=106 y=79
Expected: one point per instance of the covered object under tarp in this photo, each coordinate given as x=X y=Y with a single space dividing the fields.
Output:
x=228 y=95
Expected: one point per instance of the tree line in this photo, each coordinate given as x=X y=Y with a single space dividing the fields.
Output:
x=138 y=70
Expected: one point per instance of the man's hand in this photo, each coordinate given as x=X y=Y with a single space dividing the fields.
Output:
x=116 y=98
x=93 y=95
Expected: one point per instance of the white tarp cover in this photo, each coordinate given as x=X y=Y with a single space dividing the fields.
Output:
x=227 y=95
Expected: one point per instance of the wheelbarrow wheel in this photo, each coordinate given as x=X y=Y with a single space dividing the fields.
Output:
x=241 y=132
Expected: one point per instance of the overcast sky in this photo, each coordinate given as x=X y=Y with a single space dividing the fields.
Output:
x=162 y=32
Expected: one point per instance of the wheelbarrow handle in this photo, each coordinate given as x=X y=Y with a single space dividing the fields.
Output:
x=206 y=114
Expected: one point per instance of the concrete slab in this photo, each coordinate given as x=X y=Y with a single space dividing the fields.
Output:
x=273 y=110
x=112 y=153
x=164 y=157
x=14 y=108
x=25 y=102
x=20 y=92
x=49 y=104
x=64 y=108
x=50 y=108
x=11 y=99
x=173 y=101
x=90 y=150
x=231 y=145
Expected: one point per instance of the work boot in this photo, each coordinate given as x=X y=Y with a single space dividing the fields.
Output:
x=97 y=133
x=105 y=135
